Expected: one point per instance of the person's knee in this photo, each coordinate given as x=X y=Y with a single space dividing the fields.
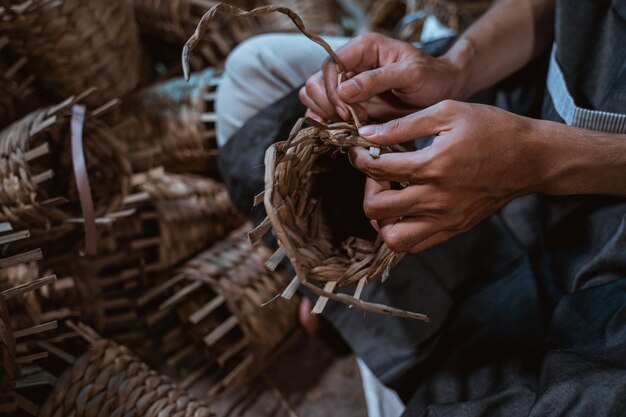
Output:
x=246 y=60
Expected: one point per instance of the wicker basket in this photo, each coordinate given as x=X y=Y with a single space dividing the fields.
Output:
x=38 y=187
x=229 y=323
x=108 y=379
x=173 y=125
x=173 y=218
x=322 y=17
x=181 y=215
x=75 y=44
x=175 y=20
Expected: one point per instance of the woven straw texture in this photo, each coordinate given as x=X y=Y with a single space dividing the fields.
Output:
x=173 y=125
x=298 y=217
x=108 y=380
x=75 y=44
x=219 y=297
x=177 y=217
x=322 y=17
x=175 y=20
x=190 y=212
x=34 y=180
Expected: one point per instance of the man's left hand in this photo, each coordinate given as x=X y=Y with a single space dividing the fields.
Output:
x=481 y=158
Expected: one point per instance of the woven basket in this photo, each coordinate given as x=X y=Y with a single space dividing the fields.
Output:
x=75 y=44
x=175 y=20
x=219 y=299
x=322 y=17
x=181 y=215
x=38 y=187
x=173 y=125
x=109 y=380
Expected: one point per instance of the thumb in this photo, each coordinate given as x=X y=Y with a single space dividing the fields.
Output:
x=424 y=123
x=368 y=84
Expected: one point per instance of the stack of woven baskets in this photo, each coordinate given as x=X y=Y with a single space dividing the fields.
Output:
x=115 y=177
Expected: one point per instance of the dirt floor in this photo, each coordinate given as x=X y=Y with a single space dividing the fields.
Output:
x=314 y=378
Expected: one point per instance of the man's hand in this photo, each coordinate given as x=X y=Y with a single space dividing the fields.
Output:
x=482 y=158
x=387 y=79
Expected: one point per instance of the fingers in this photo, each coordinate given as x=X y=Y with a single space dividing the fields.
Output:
x=433 y=240
x=313 y=95
x=430 y=121
x=386 y=203
x=371 y=83
x=402 y=166
x=403 y=235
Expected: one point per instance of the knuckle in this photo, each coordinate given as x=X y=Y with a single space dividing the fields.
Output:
x=447 y=106
x=370 y=208
x=394 y=240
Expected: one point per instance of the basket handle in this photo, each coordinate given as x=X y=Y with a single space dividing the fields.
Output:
x=210 y=15
x=82 y=179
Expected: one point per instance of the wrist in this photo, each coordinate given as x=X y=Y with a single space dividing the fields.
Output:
x=460 y=58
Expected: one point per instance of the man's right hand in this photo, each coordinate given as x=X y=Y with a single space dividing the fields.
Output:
x=387 y=79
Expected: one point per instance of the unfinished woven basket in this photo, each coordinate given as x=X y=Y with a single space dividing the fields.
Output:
x=172 y=124
x=175 y=20
x=322 y=17
x=38 y=187
x=73 y=45
x=222 y=298
x=300 y=208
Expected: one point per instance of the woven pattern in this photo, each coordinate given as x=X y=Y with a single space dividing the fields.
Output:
x=110 y=380
x=190 y=212
x=173 y=125
x=298 y=218
x=175 y=21
x=34 y=181
x=322 y=17
x=220 y=298
x=75 y=44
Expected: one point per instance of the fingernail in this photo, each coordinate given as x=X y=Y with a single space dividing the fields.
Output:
x=348 y=89
x=367 y=131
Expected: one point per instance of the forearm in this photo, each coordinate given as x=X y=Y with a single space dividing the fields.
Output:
x=578 y=161
x=506 y=38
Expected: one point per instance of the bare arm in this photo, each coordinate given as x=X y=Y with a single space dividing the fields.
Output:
x=502 y=41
